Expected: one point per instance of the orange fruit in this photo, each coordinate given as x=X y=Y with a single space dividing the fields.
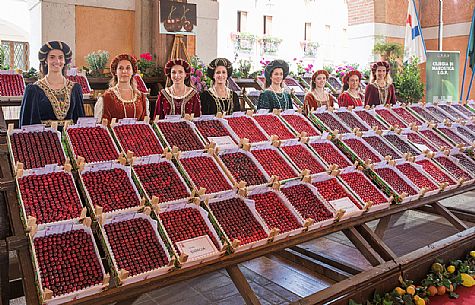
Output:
x=441 y=290
x=432 y=290
x=400 y=291
x=411 y=289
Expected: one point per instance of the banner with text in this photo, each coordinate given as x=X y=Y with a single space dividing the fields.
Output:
x=442 y=76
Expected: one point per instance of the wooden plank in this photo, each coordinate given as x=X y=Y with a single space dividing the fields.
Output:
x=242 y=285
x=4 y=278
x=127 y=302
x=363 y=246
x=444 y=212
x=382 y=226
x=376 y=243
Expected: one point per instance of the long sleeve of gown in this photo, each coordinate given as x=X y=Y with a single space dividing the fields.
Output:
x=29 y=111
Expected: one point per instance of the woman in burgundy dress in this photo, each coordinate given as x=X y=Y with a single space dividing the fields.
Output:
x=122 y=99
x=380 y=90
x=317 y=96
x=179 y=98
x=351 y=94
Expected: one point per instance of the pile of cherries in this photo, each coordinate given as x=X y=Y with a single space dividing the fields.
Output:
x=303 y=158
x=435 y=172
x=466 y=162
x=390 y=118
x=300 y=124
x=467 y=134
x=395 y=181
x=328 y=152
x=437 y=113
x=463 y=110
x=407 y=116
x=306 y=202
x=181 y=135
x=11 y=85
x=81 y=80
x=416 y=176
x=366 y=190
x=94 y=144
x=68 y=262
x=351 y=121
x=361 y=150
x=161 y=180
x=205 y=173
x=274 y=164
x=110 y=189
x=452 y=112
x=332 y=123
x=185 y=224
x=452 y=136
x=135 y=245
x=453 y=168
x=245 y=127
x=272 y=125
x=243 y=168
x=331 y=190
x=274 y=212
x=37 y=149
x=434 y=138
x=416 y=138
x=237 y=220
x=50 y=197
x=425 y=114
x=138 y=138
x=370 y=120
x=403 y=146
x=378 y=144
x=211 y=128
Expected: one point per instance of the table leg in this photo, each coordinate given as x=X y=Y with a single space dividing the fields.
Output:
x=242 y=285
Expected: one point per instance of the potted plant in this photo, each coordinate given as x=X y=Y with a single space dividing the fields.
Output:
x=147 y=66
x=409 y=87
x=244 y=67
x=97 y=61
x=270 y=45
x=309 y=48
x=243 y=41
x=388 y=50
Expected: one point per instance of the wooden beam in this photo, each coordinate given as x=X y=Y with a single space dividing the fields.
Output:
x=242 y=285
x=4 y=278
x=382 y=226
x=127 y=302
x=376 y=243
x=363 y=246
x=444 y=212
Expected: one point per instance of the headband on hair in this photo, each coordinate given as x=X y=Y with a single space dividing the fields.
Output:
x=377 y=64
x=318 y=72
x=177 y=62
x=55 y=45
x=118 y=58
x=350 y=74
x=223 y=62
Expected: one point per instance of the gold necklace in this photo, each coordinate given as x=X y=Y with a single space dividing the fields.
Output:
x=58 y=98
x=320 y=96
x=221 y=101
x=124 y=102
x=356 y=97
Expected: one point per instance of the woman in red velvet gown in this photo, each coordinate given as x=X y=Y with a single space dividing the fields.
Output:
x=122 y=99
x=380 y=90
x=351 y=94
x=179 y=98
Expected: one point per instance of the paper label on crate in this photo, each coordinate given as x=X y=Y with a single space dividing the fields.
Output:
x=58 y=229
x=225 y=142
x=122 y=217
x=87 y=122
x=421 y=147
x=33 y=128
x=344 y=204
x=128 y=121
x=197 y=247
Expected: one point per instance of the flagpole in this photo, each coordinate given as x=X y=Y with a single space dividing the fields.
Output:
x=441 y=23
x=466 y=60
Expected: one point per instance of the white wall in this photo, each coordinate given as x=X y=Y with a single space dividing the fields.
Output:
x=288 y=23
x=14 y=21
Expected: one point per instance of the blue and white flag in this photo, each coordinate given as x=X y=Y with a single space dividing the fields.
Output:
x=414 y=45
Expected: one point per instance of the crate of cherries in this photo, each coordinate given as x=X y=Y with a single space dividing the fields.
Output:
x=439 y=175
x=358 y=149
x=376 y=141
x=389 y=117
x=178 y=132
x=419 y=177
x=136 y=137
x=243 y=166
x=393 y=182
x=351 y=120
x=35 y=146
x=302 y=156
x=246 y=127
x=327 y=151
x=89 y=142
x=211 y=127
x=67 y=261
x=362 y=187
x=48 y=195
x=326 y=120
x=306 y=200
x=190 y=230
x=159 y=179
x=370 y=117
x=136 y=250
x=109 y=187
x=273 y=161
x=204 y=173
x=453 y=166
x=402 y=112
x=82 y=80
x=11 y=86
x=338 y=195
x=299 y=123
x=238 y=219
x=277 y=212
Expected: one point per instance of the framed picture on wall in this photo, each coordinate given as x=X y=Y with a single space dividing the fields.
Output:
x=177 y=18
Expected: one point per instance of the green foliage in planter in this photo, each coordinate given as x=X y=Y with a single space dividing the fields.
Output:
x=97 y=61
x=329 y=68
x=244 y=67
x=32 y=73
x=409 y=87
x=244 y=41
x=392 y=50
